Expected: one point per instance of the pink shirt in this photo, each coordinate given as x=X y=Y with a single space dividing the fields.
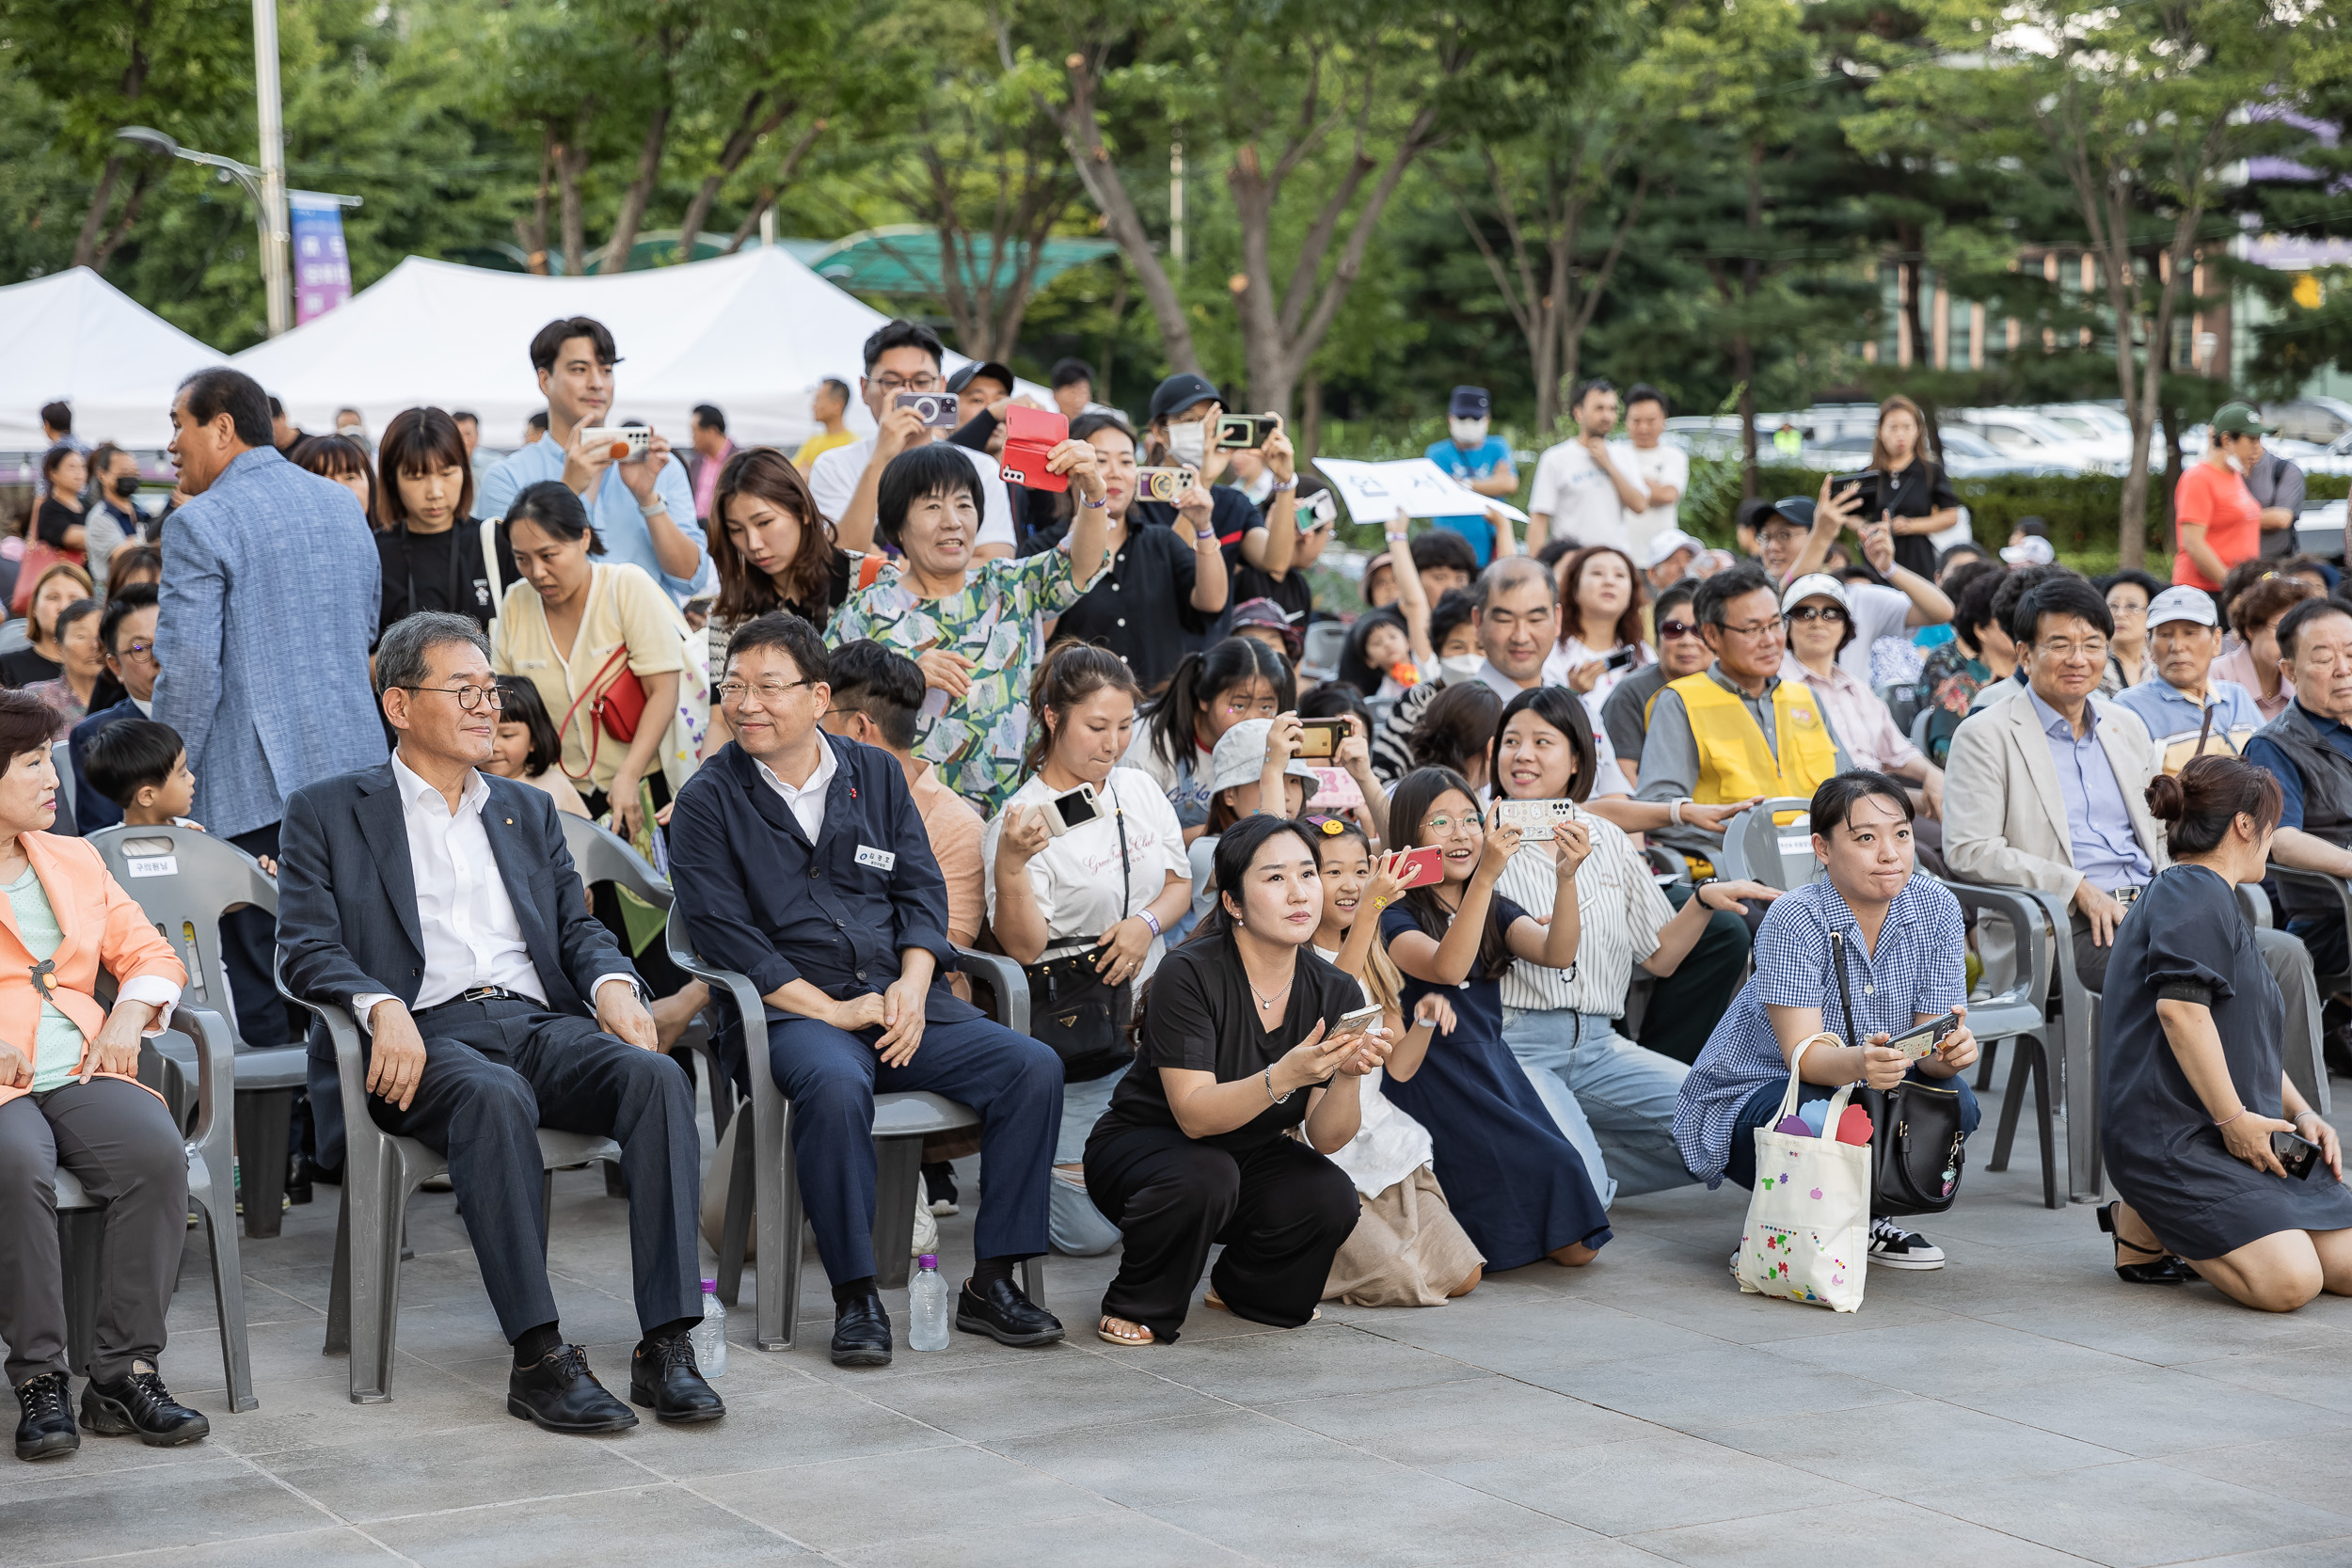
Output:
x=707 y=480
x=2238 y=665
x=1856 y=714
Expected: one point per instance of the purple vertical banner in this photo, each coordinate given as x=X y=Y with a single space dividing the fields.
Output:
x=322 y=267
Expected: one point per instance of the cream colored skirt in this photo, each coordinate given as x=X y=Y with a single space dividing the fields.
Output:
x=1407 y=1249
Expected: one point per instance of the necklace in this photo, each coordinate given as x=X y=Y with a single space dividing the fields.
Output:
x=1265 y=1002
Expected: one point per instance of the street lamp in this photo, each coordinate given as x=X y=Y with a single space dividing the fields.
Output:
x=269 y=209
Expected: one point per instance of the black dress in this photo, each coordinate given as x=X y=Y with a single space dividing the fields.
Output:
x=2186 y=938
x=1915 y=490
x=438 y=571
x=1140 y=608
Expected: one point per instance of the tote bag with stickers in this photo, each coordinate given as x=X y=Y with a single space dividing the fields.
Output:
x=1808 y=1230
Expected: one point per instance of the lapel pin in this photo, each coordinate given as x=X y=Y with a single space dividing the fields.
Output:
x=510 y=821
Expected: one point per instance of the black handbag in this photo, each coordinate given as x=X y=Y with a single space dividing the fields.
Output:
x=1073 y=1008
x=1918 y=1149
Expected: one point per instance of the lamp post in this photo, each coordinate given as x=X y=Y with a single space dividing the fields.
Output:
x=267 y=191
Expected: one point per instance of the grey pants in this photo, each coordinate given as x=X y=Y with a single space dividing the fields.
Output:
x=119 y=1141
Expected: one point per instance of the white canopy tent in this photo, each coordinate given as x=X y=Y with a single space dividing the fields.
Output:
x=752 y=333
x=74 y=336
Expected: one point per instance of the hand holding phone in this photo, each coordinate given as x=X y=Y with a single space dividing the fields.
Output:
x=1321 y=738
x=1030 y=436
x=1422 y=867
x=1920 y=1043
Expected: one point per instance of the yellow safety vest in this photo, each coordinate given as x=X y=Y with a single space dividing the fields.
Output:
x=1734 y=761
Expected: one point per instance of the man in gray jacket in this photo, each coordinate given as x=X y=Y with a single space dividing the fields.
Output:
x=267 y=612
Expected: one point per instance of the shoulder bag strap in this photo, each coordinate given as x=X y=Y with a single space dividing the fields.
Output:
x=1845 y=991
x=595 y=732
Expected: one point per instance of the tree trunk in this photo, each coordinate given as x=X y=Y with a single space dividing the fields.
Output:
x=89 y=251
x=749 y=127
x=532 y=231
x=640 y=192
x=769 y=193
x=94 y=218
x=571 y=162
x=1110 y=338
x=140 y=185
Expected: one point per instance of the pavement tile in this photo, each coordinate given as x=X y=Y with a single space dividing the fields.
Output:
x=1402 y=1520
x=1709 y=1388
x=1129 y=1539
x=70 y=1513
x=2151 y=1413
x=1947 y=1358
x=1461 y=1422
x=431 y=1472
x=2297 y=1469
x=1859 y=1533
x=1219 y=1452
x=2132 y=1514
x=850 y=1503
x=1648 y=1484
x=600 y=1529
x=1897 y=1448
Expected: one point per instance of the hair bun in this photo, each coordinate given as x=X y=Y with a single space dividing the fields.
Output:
x=2166 y=801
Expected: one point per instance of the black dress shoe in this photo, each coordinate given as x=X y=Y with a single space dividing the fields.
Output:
x=46 y=1430
x=560 y=1393
x=663 y=1378
x=861 y=1334
x=1005 y=1315
x=2145 y=1267
x=141 y=1404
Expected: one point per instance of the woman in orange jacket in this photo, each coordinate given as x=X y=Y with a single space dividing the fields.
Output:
x=69 y=1100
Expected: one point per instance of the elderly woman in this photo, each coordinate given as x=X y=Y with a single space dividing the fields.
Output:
x=69 y=1099
x=37 y=659
x=82 y=685
x=977 y=629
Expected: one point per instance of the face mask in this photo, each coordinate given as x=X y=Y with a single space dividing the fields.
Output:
x=1468 y=433
x=2236 y=465
x=1459 y=667
x=1188 y=443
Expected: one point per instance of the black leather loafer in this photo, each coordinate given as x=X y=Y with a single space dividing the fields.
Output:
x=46 y=1429
x=140 y=1405
x=861 y=1334
x=560 y=1393
x=662 y=1377
x=1005 y=1315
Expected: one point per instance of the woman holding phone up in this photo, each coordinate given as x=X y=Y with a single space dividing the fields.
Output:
x=1516 y=1182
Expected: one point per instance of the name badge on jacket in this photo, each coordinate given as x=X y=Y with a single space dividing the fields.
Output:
x=880 y=859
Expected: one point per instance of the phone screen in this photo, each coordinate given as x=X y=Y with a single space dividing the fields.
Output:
x=1075 y=809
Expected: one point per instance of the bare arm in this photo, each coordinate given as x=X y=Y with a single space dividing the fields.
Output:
x=1277 y=545
x=1210 y=584
x=2193 y=546
x=1503 y=481
x=2304 y=851
x=1204 y=1107
x=1413 y=599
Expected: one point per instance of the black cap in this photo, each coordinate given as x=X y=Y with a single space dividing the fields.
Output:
x=1796 y=509
x=1470 y=402
x=1179 y=392
x=990 y=368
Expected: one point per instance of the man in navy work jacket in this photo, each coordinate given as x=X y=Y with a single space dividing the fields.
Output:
x=800 y=859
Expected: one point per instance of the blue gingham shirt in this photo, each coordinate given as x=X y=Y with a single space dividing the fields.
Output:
x=1916 y=969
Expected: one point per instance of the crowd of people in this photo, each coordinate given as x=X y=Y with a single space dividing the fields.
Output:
x=1378 y=973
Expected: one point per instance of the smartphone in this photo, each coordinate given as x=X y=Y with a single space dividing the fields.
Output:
x=1535 y=819
x=628 y=442
x=1163 y=485
x=1423 y=867
x=1351 y=1024
x=701 y=604
x=1921 y=1042
x=936 y=409
x=1244 y=432
x=1030 y=436
x=1321 y=738
x=1336 y=790
x=1074 y=809
x=1866 y=487
x=2297 y=1153
x=1621 y=659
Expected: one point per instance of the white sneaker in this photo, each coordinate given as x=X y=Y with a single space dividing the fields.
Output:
x=1893 y=1247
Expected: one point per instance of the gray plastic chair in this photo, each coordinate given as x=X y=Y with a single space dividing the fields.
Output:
x=601 y=856
x=184 y=879
x=82 y=1223
x=2019 y=1015
x=380 y=1173
x=1758 y=848
x=62 y=756
x=765 y=1182
x=1919 y=722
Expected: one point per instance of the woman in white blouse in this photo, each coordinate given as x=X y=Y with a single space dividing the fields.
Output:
x=1602 y=638
x=1052 y=896
x=1615 y=1100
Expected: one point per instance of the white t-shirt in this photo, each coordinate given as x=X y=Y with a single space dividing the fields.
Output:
x=1877 y=612
x=1074 y=879
x=1663 y=464
x=1581 y=501
x=832 y=480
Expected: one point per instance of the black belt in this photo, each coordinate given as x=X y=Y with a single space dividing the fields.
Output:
x=488 y=993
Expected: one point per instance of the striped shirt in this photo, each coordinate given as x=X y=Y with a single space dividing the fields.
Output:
x=1915 y=970
x=1619 y=911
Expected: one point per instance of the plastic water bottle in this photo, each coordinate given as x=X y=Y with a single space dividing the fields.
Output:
x=710 y=1334
x=927 y=1305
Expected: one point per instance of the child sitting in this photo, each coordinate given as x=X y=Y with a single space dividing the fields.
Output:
x=142 y=766
x=529 y=747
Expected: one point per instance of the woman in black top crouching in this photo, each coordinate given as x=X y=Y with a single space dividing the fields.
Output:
x=1230 y=1058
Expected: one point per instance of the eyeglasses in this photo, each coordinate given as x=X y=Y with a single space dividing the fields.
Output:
x=2127 y=608
x=1670 y=631
x=2093 y=648
x=769 y=691
x=893 y=383
x=1808 y=613
x=137 y=650
x=1443 y=825
x=1756 y=629
x=470 y=698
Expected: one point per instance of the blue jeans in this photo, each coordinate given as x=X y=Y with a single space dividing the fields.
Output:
x=1075 y=1225
x=1762 y=1109
x=1614 y=1100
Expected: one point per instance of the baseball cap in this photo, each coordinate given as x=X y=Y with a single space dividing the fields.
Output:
x=1793 y=509
x=2183 y=604
x=2032 y=550
x=1811 y=585
x=1470 y=402
x=1240 y=758
x=2239 y=419
x=1183 y=390
x=989 y=368
x=1665 y=545
x=1266 y=612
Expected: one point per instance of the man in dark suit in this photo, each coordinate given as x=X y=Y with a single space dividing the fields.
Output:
x=801 y=861
x=127 y=632
x=438 y=904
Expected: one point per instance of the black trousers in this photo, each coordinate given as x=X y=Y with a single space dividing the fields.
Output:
x=497 y=1071
x=249 y=951
x=1282 y=1209
x=1685 y=1006
x=119 y=1141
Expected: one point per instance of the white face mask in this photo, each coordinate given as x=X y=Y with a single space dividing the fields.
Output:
x=1468 y=433
x=1188 y=443
x=2237 y=463
x=1458 y=668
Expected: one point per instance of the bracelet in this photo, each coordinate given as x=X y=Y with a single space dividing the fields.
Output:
x=1272 y=1098
x=1150 y=919
x=1283 y=487
x=2297 y=1120
x=1674 y=810
x=653 y=508
x=1095 y=506
x=2232 y=1117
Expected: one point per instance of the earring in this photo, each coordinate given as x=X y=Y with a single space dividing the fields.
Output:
x=1240 y=925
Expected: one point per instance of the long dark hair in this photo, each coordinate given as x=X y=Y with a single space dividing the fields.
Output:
x=745 y=593
x=1355 y=668
x=1411 y=802
x=1564 y=711
x=1456 y=726
x=1628 y=630
x=1236 y=661
x=1070 y=672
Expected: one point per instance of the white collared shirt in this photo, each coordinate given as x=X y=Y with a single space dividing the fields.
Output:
x=808 y=801
x=464 y=913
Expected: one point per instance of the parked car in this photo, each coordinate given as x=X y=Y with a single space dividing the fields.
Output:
x=2322 y=422
x=2024 y=435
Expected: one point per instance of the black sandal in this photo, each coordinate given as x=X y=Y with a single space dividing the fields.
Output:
x=2162 y=1267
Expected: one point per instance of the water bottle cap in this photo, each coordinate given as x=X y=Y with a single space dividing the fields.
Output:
x=929 y=1261
x=711 y=1287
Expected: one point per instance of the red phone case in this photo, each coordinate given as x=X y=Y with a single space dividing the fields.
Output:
x=1030 y=436
x=1424 y=867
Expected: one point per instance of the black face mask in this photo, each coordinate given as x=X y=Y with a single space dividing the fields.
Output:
x=125 y=485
